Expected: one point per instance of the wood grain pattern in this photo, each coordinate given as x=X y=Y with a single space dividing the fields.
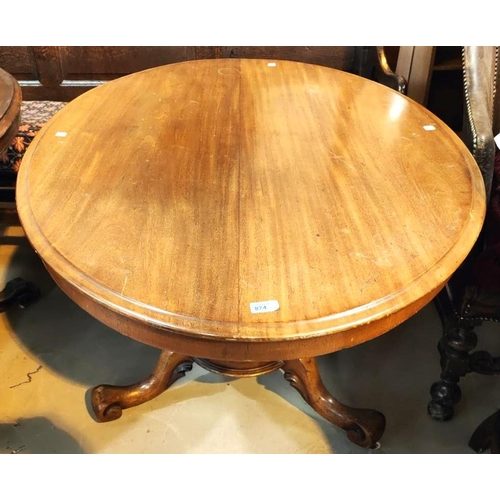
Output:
x=18 y=61
x=49 y=66
x=183 y=193
x=62 y=73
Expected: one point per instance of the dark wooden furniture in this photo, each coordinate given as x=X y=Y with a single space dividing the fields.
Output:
x=17 y=291
x=62 y=73
x=472 y=296
x=10 y=105
x=249 y=215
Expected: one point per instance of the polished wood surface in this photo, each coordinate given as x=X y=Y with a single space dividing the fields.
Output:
x=10 y=107
x=109 y=401
x=363 y=426
x=166 y=202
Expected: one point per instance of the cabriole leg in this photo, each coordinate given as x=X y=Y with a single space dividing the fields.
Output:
x=364 y=427
x=108 y=401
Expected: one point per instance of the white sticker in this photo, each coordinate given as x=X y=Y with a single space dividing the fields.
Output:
x=264 y=307
x=271 y=64
x=497 y=141
x=61 y=134
x=429 y=127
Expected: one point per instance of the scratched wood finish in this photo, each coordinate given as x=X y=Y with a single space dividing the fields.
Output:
x=10 y=106
x=181 y=194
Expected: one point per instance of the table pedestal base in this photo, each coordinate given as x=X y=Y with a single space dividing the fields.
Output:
x=364 y=427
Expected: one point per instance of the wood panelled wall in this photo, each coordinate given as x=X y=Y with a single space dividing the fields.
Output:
x=62 y=73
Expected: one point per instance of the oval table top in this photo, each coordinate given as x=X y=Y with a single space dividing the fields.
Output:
x=10 y=107
x=182 y=197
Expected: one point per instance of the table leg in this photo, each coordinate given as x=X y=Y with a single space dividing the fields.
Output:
x=364 y=427
x=108 y=401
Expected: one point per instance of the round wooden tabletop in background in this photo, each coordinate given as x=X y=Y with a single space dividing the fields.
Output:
x=167 y=202
x=10 y=107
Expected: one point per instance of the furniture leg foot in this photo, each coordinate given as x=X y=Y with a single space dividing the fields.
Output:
x=454 y=349
x=364 y=427
x=18 y=292
x=109 y=401
x=445 y=395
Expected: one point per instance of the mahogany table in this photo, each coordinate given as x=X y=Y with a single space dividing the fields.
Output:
x=10 y=108
x=249 y=215
x=17 y=292
x=10 y=116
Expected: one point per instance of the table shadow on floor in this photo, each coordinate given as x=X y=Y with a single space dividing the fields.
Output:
x=392 y=374
x=36 y=436
x=66 y=339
